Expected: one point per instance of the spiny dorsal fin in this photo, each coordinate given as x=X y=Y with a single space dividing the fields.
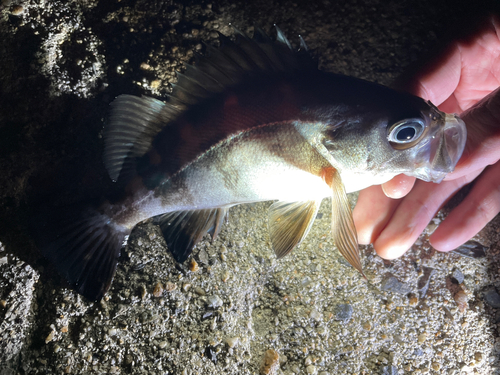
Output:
x=134 y=121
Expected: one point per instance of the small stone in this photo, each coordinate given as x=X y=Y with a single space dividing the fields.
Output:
x=203 y=256
x=195 y=32
x=367 y=326
x=145 y=66
x=436 y=366
x=64 y=329
x=389 y=370
x=422 y=337
x=3 y=303
x=170 y=286
x=413 y=300
x=17 y=10
x=214 y=301
x=457 y=275
x=155 y=84
x=193 y=266
x=158 y=290
x=271 y=362
x=492 y=298
x=425 y=280
x=461 y=300
x=393 y=285
x=50 y=337
x=226 y=276
x=311 y=369
x=162 y=344
x=232 y=341
x=478 y=356
x=112 y=332
x=343 y=312
x=199 y=291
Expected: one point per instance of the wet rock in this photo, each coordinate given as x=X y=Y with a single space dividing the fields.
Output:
x=471 y=249
x=393 y=285
x=492 y=298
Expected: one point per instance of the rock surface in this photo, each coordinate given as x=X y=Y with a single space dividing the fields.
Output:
x=61 y=65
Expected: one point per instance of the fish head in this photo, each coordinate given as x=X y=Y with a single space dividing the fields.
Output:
x=432 y=142
x=369 y=144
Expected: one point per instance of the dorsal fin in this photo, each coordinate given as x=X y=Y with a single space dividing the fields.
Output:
x=134 y=121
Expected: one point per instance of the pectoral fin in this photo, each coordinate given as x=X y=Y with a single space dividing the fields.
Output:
x=184 y=229
x=343 y=229
x=289 y=223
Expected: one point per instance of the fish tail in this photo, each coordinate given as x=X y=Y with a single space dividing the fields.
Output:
x=83 y=243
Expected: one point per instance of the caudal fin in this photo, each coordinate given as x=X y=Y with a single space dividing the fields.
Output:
x=83 y=245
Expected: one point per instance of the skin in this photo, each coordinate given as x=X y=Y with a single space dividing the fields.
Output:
x=460 y=78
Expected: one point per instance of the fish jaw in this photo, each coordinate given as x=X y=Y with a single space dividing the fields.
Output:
x=446 y=148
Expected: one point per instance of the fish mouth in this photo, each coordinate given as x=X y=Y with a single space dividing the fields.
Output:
x=446 y=147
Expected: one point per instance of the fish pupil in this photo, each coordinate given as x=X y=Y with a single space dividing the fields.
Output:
x=405 y=134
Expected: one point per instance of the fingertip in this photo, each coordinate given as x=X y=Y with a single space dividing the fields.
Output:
x=389 y=251
x=442 y=243
x=398 y=186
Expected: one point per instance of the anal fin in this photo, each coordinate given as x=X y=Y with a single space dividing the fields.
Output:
x=182 y=230
x=343 y=229
x=289 y=223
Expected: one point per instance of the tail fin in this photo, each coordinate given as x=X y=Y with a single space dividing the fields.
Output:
x=83 y=244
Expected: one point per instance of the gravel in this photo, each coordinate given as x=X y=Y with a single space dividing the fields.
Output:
x=235 y=309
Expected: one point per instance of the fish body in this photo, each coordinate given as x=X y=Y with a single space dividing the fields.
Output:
x=252 y=122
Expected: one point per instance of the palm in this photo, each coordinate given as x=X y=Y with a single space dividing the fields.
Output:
x=455 y=80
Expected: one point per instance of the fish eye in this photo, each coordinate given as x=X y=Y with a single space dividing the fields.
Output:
x=406 y=131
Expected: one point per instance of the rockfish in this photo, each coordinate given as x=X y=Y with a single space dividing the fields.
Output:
x=252 y=121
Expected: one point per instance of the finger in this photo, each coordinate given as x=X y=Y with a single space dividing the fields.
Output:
x=373 y=210
x=398 y=186
x=480 y=206
x=412 y=216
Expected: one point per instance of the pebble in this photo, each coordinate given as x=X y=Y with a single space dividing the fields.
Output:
x=425 y=280
x=422 y=337
x=50 y=337
x=457 y=275
x=393 y=285
x=203 y=256
x=17 y=10
x=193 y=266
x=214 y=301
x=461 y=300
x=199 y=291
x=389 y=370
x=170 y=286
x=112 y=331
x=270 y=363
x=311 y=369
x=232 y=341
x=343 y=312
x=158 y=290
x=492 y=298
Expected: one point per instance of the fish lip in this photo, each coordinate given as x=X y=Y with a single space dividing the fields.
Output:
x=446 y=148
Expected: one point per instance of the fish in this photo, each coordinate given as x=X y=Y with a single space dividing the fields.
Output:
x=251 y=121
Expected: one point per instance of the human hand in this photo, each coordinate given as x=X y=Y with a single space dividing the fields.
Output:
x=463 y=78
